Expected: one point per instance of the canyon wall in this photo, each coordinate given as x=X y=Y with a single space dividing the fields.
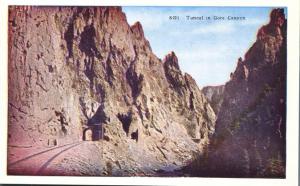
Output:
x=79 y=70
x=249 y=140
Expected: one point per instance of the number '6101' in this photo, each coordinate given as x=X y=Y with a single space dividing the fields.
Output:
x=173 y=17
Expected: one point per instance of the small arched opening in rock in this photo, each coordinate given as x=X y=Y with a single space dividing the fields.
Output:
x=202 y=131
x=52 y=142
x=93 y=133
x=87 y=134
x=126 y=121
x=135 y=135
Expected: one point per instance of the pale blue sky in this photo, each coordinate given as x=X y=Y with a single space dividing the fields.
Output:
x=208 y=50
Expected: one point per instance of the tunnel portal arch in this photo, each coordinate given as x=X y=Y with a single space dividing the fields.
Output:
x=87 y=134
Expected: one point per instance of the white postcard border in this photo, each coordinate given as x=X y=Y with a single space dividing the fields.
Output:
x=292 y=98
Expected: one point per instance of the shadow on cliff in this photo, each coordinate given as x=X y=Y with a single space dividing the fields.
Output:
x=98 y=118
x=87 y=42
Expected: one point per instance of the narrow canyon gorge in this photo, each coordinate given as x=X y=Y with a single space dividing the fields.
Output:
x=88 y=97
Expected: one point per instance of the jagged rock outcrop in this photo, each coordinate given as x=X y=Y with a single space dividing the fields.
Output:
x=214 y=95
x=78 y=70
x=249 y=139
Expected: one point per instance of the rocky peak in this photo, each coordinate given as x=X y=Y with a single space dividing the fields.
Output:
x=276 y=23
x=277 y=17
x=138 y=32
x=173 y=72
x=171 y=60
x=137 y=29
x=270 y=39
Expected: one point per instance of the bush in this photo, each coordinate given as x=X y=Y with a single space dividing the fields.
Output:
x=275 y=168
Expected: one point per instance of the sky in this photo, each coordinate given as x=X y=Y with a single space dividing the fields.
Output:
x=206 y=49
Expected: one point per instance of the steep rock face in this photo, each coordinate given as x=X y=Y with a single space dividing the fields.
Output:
x=75 y=70
x=214 y=95
x=250 y=131
x=188 y=100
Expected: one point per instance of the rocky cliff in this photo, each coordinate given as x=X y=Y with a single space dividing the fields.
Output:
x=214 y=95
x=79 y=74
x=249 y=139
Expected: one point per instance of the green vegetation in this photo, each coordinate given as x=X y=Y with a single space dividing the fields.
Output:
x=235 y=124
x=275 y=168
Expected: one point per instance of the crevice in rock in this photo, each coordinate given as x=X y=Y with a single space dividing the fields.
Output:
x=89 y=64
x=62 y=120
x=135 y=81
x=140 y=112
x=161 y=151
x=69 y=36
x=101 y=91
x=17 y=108
x=202 y=131
x=83 y=107
x=135 y=53
x=152 y=125
x=192 y=107
x=29 y=76
x=40 y=81
x=109 y=72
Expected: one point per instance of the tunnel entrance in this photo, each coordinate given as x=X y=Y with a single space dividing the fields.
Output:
x=87 y=134
x=93 y=133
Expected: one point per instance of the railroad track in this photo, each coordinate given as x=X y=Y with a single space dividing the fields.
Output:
x=37 y=163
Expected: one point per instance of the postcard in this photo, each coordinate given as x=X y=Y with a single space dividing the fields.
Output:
x=148 y=92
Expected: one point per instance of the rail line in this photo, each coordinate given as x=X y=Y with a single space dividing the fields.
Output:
x=36 y=164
